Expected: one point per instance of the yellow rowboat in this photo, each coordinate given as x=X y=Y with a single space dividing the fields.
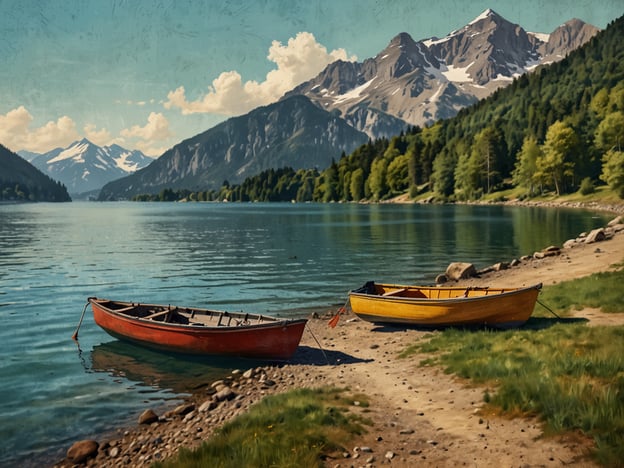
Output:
x=444 y=306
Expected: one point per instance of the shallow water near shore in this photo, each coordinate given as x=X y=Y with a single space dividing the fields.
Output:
x=282 y=259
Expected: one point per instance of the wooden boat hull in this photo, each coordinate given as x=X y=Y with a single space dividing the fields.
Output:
x=269 y=338
x=444 y=306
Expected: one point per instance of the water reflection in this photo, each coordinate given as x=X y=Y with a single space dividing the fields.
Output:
x=178 y=373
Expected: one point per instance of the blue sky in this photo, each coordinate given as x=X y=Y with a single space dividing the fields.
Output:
x=148 y=74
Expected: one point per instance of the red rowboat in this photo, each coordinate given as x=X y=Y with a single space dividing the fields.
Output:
x=199 y=331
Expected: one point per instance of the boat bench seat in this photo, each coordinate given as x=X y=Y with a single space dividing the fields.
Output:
x=396 y=292
x=157 y=314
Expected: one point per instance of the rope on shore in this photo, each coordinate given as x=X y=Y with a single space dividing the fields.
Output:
x=319 y=345
x=548 y=308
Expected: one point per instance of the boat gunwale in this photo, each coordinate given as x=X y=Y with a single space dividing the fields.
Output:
x=450 y=300
x=269 y=321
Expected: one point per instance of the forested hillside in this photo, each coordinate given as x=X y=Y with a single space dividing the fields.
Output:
x=554 y=130
x=21 y=181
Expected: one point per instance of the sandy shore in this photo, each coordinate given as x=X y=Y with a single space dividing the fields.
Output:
x=421 y=416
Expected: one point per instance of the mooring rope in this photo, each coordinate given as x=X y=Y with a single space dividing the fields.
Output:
x=319 y=345
x=75 y=335
x=548 y=308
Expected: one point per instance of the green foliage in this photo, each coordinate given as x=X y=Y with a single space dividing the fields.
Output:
x=557 y=160
x=613 y=171
x=610 y=132
x=587 y=186
x=443 y=180
x=467 y=177
x=294 y=429
x=526 y=165
x=357 y=184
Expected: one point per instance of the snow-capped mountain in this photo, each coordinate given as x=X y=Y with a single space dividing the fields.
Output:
x=418 y=82
x=85 y=167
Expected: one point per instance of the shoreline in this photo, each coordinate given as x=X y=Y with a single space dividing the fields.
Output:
x=413 y=419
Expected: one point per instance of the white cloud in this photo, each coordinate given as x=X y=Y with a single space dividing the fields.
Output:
x=157 y=128
x=298 y=61
x=16 y=134
x=149 y=149
x=100 y=137
x=147 y=137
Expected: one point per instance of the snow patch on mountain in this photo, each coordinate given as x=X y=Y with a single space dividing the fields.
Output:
x=84 y=167
x=458 y=75
x=418 y=82
x=354 y=94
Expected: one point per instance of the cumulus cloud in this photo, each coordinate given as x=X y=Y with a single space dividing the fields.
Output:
x=299 y=60
x=16 y=134
x=100 y=137
x=157 y=128
x=147 y=137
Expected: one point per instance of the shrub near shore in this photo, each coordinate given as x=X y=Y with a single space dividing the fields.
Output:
x=568 y=374
x=297 y=428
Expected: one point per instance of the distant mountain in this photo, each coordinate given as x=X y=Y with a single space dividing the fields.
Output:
x=418 y=83
x=21 y=181
x=566 y=38
x=85 y=167
x=292 y=132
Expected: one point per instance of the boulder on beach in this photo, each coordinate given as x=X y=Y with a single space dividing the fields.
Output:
x=148 y=417
x=82 y=450
x=597 y=235
x=459 y=270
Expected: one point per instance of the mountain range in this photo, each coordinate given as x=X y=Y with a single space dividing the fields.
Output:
x=419 y=82
x=408 y=83
x=84 y=167
x=293 y=132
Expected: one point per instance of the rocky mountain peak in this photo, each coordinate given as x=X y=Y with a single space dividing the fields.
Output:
x=418 y=82
x=84 y=166
x=569 y=36
x=404 y=55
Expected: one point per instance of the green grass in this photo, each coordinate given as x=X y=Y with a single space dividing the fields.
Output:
x=294 y=429
x=568 y=374
x=600 y=290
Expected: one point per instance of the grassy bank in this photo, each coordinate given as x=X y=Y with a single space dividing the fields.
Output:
x=568 y=374
x=600 y=290
x=298 y=428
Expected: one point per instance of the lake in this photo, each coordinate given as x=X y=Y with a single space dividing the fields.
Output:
x=282 y=259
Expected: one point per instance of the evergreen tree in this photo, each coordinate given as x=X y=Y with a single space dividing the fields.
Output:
x=443 y=174
x=357 y=184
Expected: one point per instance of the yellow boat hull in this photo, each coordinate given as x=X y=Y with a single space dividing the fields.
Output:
x=444 y=306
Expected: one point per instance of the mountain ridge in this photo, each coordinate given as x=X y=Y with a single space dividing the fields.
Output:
x=85 y=167
x=292 y=133
x=21 y=181
x=419 y=82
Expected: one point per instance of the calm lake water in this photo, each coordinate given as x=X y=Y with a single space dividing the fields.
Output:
x=283 y=259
